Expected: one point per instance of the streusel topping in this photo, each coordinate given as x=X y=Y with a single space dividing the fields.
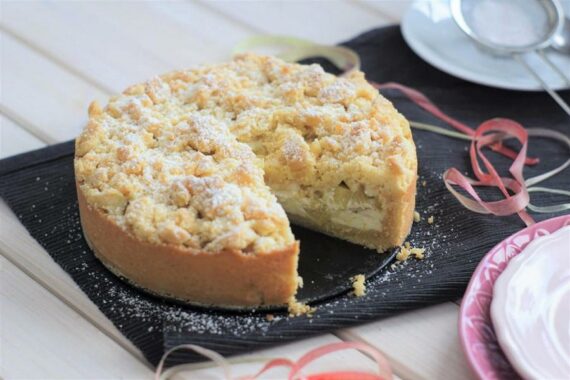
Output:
x=186 y=158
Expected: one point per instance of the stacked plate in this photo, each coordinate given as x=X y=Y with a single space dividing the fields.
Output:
x=515 y=315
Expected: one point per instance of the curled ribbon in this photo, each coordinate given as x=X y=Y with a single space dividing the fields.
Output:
x=296 y=49
x=295 y=367
x=515 y=203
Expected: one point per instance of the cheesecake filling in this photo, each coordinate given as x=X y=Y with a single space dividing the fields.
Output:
x=338 y=212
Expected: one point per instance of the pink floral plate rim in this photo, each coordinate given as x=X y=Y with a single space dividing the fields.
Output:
x=475 y=328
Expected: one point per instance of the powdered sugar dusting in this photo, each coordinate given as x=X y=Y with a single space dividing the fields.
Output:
x=338 y=91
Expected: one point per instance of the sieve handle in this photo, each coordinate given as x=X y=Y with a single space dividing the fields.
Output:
x=553 y=66
x=544 y=85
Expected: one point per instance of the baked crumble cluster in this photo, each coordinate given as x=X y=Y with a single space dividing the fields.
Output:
x=208 y=158
x=358 y=285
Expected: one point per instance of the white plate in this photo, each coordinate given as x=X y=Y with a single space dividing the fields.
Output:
x=531 y=308
x=431 y=32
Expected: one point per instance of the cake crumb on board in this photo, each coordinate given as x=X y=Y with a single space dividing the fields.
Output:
x=407 y=250
x=358 y=285
x=417 y=216
x=418 y=253
x=403 y=254
x=297 y=308
x=430 y=220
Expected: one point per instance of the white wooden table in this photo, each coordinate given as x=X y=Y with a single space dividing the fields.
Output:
x=58 y=56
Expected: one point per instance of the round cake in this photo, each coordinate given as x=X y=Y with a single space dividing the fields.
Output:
x=187 y=183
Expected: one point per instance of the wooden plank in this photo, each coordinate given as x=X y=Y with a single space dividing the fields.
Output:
x=43 y=338
x=324 y=22
x=17 y=246
x=115 y=44
x=189 y=34
x=391 y=9
x=14 y=140
x=422 y=344
x=44 y=98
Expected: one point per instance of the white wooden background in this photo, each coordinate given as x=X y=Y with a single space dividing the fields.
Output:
x=58 y=56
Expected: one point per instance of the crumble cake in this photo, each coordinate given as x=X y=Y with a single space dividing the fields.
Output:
x=186 y=183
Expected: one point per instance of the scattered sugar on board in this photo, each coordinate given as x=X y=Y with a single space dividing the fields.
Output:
x=128 y=305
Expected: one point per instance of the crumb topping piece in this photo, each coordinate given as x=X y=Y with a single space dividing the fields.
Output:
x=297 y=308
x=406 y=251
x=358 y=285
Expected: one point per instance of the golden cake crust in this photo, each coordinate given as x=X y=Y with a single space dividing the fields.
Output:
x=229 y=278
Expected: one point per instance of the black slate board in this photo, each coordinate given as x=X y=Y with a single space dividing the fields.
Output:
x=39 y=187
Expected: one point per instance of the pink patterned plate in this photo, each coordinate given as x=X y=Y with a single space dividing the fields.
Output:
x=475 y=329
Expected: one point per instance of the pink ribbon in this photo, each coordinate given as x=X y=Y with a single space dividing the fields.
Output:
x=295 y=367
x=384 y=370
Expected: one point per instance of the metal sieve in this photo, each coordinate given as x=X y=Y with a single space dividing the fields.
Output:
x=514 y=28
